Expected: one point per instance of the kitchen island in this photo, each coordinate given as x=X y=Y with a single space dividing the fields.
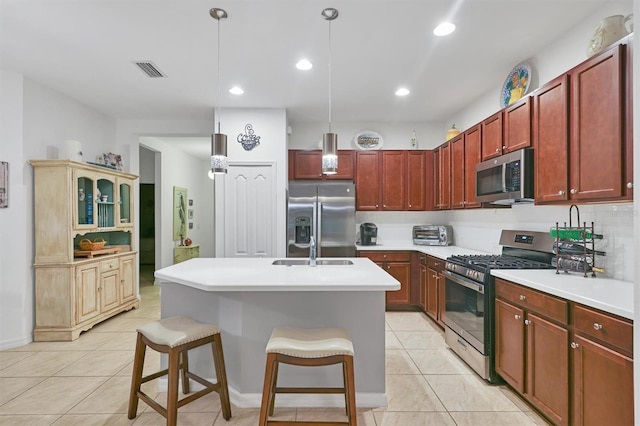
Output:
x=247 y=298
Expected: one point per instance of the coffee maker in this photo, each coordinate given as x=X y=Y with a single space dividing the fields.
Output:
x=368 y=234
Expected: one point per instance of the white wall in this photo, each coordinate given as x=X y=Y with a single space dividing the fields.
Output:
x=35 y=123
x=180 y=169
x=306 y=135
x=271 y=125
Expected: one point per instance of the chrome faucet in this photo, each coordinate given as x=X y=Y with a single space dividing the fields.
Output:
x=312 y=251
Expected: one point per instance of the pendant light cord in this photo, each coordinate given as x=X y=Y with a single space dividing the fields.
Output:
x=329 y=76
x=219 y=106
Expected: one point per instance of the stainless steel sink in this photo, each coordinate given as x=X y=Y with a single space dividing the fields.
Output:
x=319 y=262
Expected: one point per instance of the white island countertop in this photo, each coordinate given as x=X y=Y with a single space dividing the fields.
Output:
x=258 y=274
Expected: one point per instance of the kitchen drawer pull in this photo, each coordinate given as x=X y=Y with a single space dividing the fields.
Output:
x=574 y=345
x=504 y=147
x=497 y=149
x=629 y=185
x=523 y=297
x=527 y=322
x=561 y=192
x=597 y=326
x=516 y=316
x=573 y=190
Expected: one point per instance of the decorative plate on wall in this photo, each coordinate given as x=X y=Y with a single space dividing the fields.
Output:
x=516 y=84
x=368 y=140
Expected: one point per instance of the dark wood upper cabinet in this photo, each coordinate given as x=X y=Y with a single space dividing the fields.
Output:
x=628 y=125
x=444 y=177
x=394 y=176
x=492 y=136
x=307 y=165
x=457 y=172
x=416 y=180
x=367 y=180
x=472 y=156
x=517 y=125
x=551 y=141
x=597 y=136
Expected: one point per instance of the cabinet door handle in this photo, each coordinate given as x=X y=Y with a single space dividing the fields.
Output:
x=504 y=147
x=523 y=297
x=388 y=267
x=574 y=345
x=561 y=192
x=516 y=316
x=597 y=326
x=376 y=206
x=497 y=149
x=384 y=255
x=384 y=206
x=629 y=185
x=410 y=206
x=527 y=322
x=573 y=191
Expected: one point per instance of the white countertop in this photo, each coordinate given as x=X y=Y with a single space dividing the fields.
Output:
x=606 y=294
x=441 y=252
x=258 y=274
x=609 y=295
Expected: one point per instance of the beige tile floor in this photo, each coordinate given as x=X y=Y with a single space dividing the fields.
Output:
x=86 y=382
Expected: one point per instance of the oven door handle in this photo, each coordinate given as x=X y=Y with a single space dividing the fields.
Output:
x=464 y=282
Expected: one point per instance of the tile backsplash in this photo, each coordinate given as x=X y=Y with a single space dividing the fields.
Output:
x=479 y=229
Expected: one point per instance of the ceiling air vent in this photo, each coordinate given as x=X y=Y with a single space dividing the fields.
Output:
x=150 y=69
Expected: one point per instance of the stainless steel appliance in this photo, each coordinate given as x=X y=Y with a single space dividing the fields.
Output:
x=325 y=211
x=368 y=234
x=506 y=179
x=470 y=295
x=432 y=235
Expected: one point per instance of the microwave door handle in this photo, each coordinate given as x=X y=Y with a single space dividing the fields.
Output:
x=504 y=178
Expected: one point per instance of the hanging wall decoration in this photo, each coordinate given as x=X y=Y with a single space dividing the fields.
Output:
x=248 y=139
x=4 y=184
x=179 y=213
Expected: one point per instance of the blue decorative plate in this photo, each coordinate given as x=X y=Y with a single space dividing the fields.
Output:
x=516 y=84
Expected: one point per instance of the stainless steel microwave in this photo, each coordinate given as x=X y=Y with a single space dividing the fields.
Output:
x=506 y=179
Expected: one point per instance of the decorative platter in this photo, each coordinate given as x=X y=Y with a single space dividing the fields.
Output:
x=368 y=140
x=515 y=85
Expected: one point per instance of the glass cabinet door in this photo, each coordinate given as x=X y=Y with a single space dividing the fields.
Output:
x=125 y=201
x=84 y=200
x=105 y=203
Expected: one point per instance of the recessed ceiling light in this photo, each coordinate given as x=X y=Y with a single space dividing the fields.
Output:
x=236 y=90
x=403 y=91
x=304 y=65
x=444 y=29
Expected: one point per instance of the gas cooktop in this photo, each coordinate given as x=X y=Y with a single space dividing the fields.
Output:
x=495 y=261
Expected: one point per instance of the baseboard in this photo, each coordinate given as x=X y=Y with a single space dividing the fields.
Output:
x=253 y=400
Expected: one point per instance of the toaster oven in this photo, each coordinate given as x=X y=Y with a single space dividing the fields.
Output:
x=432 y=235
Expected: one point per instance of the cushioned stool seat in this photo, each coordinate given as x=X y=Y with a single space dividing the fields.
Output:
x=308 y=348
x=175 y=336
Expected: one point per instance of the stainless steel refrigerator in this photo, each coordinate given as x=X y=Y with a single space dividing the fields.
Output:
x=326 y=211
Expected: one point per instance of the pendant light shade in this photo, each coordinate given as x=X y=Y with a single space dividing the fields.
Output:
x=329 y=140
x=219 y=159
x=329 y=153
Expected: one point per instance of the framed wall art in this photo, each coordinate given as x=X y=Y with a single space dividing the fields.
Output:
x=179 y=213
x=4 y=184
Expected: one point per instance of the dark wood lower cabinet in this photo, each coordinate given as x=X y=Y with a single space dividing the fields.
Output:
x=401 y=271
x=602 y=385
x=572 y=363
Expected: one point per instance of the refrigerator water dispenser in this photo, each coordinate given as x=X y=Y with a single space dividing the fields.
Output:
x=303 y=230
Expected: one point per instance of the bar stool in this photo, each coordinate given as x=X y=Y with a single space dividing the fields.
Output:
x=308 y=348
x=175 y=336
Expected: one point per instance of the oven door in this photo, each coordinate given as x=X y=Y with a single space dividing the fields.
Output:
x=465 y=310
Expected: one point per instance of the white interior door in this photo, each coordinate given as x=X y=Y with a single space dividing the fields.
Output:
x=250 y=210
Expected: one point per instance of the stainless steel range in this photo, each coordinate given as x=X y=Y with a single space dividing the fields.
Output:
x=470 y=295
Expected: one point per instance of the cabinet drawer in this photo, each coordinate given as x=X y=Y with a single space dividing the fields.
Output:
x=422 y=259
x=543 y=304
x=604 y=327
x=387 y=256
x=435 y=263
x=109 y=265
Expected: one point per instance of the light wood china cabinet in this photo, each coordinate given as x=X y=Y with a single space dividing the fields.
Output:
x=76 y=288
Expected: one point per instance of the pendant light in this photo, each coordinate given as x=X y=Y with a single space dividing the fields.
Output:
x=219 y=160
x=329 y=140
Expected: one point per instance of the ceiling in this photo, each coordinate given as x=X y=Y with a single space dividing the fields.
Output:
x=86 y=49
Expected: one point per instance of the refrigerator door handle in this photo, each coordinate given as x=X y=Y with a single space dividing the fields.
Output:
x=318 y=215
